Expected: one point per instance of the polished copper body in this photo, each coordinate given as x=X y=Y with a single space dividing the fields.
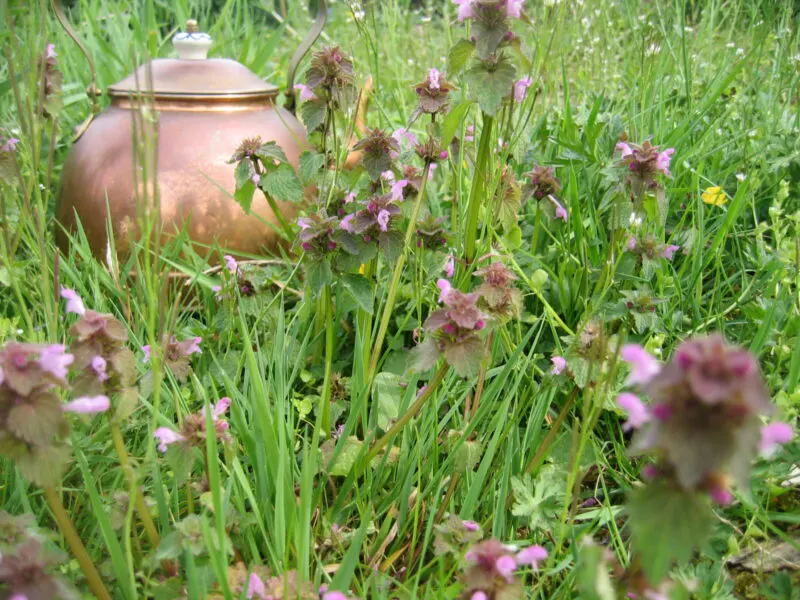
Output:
x=205 y=109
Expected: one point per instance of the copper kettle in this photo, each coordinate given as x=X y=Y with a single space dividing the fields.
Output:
x=205 y=108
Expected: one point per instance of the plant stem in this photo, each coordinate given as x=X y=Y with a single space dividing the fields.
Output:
x=395 y=282
x=326 y=384
x=141 y=505
x=409 y=414
x=75 y=544
x=478 y=188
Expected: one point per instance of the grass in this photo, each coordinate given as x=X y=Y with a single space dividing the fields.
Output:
x=716 y=80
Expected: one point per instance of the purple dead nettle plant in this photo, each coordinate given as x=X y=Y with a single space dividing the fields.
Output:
x=541 y=183
x=498 y=296
x=193 y=432
x=703 y=423
x=379 y=150
x=645 y=163
x=177 y=355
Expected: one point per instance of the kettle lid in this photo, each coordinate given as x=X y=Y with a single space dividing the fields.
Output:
x=193 y=76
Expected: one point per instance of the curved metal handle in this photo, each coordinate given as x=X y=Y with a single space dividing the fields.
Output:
x=302 y=50
x=92 y=91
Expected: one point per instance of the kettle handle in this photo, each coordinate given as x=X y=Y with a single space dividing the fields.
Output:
x=302 y=50
x=92 y=91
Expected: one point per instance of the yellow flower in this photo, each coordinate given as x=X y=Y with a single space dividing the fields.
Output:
x=362 y=269
x=714 y=195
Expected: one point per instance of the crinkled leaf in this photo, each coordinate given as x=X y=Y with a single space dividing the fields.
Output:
x=375 y=164
x=360 y=289
x=44 y=466
x=318 y=274
x=537 y=279
x=424 y=355
x=467 y=456
x=345 y=459
x=512 y=236
x=282 y=184
x=180 y=459
x=391 y=244
x=667 y=525
x=619 y=212
x=387 y=393
x=313 y=113
x=271 y=152
x=36 y=421
x=180 y=368
x=488 y=34
x=170 y=547
x=466 y=356
x=489 y=85
x=124 y=363
x=311 y=166
x=245 y=188
x=459 y=56
x=539 y=502
x=125 y=403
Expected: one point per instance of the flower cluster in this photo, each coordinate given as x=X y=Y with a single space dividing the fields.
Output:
x=491 y=567
x=51 y=81
x=431 y=234
x=498 y=296
x=263 y=587
x=376 y=222
x=453 y=332
x=541 y=183
x=378 y=151
x=316 y=235
x=193 y=431
x=433 y=94
x=329 y=77
x=177 y=355
x=703 y=423
x=105 y=366
x=27 y=569
x=644 y=162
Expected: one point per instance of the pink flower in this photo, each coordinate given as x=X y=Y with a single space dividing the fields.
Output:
x=662 y=162
x=721 y=495
x=422 y=390
x=74 y=302
x=643 y=366
x=638 y=414
x=521 y=88
x=479 y=595
x=669 y=251
x=54 y=360
x=470 y=134
x=514 y=8
x=383 y=219
x=167 y=436
x=404 y=134
x=334 y=596
x=397 y=189
x=559 y=364
x=632 y=243
x=347 y=223
x=256 y=587
x=231 y=264
x=434 y=79
x=450 y=267
x=774 y=435
x=351 y=197
x=506 y=565
x=99 y=367
x=220 y=408
x=471 y=526
x=191 y=346
x=561 y=212
x=306 y=93
x=304 y=223
x=465 y=10
x=445 y=287
x=50 y=51
x=87 y=405
x=624 y=149
x=10 y=145
x=532 y=555
x=146 y=350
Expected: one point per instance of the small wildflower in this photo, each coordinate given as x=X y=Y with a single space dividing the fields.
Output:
x=773 y=436
x=669 y=251
x=450 y=267
x=230 y=264
x=167 y=436
x=74 y=302
x=255 y=587
x=714 y=196
x=643 y=366
x=638 y=414
x=306 y=93
x=10 y=145
x=465 y=9
x=561 y=212
x=88 y=405
x=532 y=555
x=334 y=596
x=99 y=365
x=471 y=526
x=499 y=297
x=559 y=364
x=433 y=93
x=521 y=88
x=644 y=162
x=54 y=360
x=542 y=182
x=404 y=135
x=378 y=150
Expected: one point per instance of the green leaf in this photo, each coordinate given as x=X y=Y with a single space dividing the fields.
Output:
x=271 y=152
x=539 y=503
x=387 y=393
x=667 y=525
x=181 y=460
x=360 y=289
x=126 y=402
x=391 y=244
x=467 y=456
x=345 y=459
x=318 y=274
x=44 y=466
x=458 y=57
x=594 y=580
x=244 y=196
x=36 y=421
x=465 y=356
x=490 y=84
x=311 y=165
x=512 y=237
x=282 y=184
x=452 y=122
x=538 y=279
x=488 y=34
x=313 y=113
x=424 y=355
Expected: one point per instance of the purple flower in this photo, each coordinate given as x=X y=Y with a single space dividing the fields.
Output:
x=471 y=526
x=669 y=251
x=231 y=264
x=219 y=409
x=98 y=365
x=334 y=596
x=514 y=8
x=450 y=267
x=256 y=587
x=10 y=145
x=167 y=436
x=561 y=212
x=469 y=135
x=479 y=595
x=306 y=93
x=351 y=197
x=632 y=243
x=465 y=10
x=643 y=366
x=383 y=220
x=87 y=405
x=434 y=79
x=521 y=88
x=721 y=495
x=774 y=435
x=638 y=414
x=662 y=162
x=397 y=189
x=347 y=223
x=146 y=351
x=445 y=287
x=404 y=134
x=532 y=555
x=304 y=223
x=190 y=346
x=506 y=565
x=74 y=302
x=50 y=51
x=53 y=360
x=624 y=149
x=422 y=390
x=559 y=364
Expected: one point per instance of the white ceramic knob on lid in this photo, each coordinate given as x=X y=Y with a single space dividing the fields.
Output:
x=192 y=44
